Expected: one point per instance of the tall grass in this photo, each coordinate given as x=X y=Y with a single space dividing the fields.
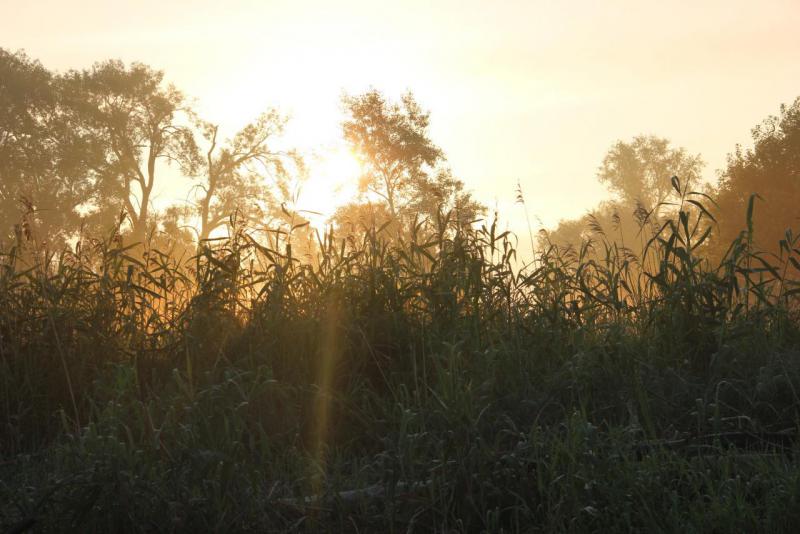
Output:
x=412 y=382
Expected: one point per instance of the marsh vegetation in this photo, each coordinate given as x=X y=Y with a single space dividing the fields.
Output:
x=400 y=369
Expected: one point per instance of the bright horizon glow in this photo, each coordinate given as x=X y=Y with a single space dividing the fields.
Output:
x=533 y=91
x=332 y=182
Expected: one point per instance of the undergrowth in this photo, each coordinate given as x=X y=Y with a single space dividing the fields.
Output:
x=418 y=381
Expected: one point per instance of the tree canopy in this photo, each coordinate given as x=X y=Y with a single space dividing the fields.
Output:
x=83 y=150
x=87 y=149
x=401 y=165
x=392 y=144
x=233 y=173
x=45 y=174
x=139 y=123
x=770 y=169
x=639 y=173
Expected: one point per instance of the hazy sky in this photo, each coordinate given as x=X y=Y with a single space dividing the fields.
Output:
x=532 y=91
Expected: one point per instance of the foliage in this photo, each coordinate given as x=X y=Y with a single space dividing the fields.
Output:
x=137 y=122
x=401 y=167
x=770 y=169
x=233 y=173
x=391 y=141
x=44 y=176
x=639 y=173
x=421 y=383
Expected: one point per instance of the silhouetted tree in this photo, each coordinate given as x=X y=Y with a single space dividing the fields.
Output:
x=391 y=142
x=400 y=163
x=442 y=192
x=237 y=174
x=44 y=158
x=139 y=123
x=641 y=171
x=770 y=169
x=640 y=174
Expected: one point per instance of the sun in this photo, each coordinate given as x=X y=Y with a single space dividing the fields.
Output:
x=332 y=182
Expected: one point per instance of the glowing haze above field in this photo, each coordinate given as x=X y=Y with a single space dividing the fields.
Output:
x=533 y=91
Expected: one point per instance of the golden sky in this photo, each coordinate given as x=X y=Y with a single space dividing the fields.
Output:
x=534 y=91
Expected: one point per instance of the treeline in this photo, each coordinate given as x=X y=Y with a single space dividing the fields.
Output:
x=84 y=151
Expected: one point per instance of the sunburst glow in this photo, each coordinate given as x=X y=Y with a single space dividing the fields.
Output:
x=332 y=182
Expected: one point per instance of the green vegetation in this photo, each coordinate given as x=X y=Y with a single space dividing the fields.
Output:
x=401 y=372
x=401 y=384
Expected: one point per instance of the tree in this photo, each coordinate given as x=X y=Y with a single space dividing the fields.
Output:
x=641 y=171
x=234 y=174
x=443 y=192
x=770 y=169
x=640 y=174
x=569 y=233
x=400 y=164
x=139 y=123
x=44 y=159
x=391 y=142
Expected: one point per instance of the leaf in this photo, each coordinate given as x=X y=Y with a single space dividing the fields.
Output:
x=701 y=208
x=767 y=266
x=750 y=207
x=676 y=184
x=145 y=290
x=703 y=237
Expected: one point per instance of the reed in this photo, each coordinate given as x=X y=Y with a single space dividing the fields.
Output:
x=406 y=381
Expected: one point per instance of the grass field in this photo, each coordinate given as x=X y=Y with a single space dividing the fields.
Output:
x=415 y=383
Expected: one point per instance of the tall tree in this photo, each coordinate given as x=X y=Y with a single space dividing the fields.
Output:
x=237 y=173
x=140 y=123
x=44 y=159
x=771 y=169
x=641 y=171
x=392 y=144
x=400 y=164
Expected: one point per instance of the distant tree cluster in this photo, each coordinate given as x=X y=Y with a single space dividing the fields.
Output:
x=639 y=175
x=48 y=164
x=83 y=151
